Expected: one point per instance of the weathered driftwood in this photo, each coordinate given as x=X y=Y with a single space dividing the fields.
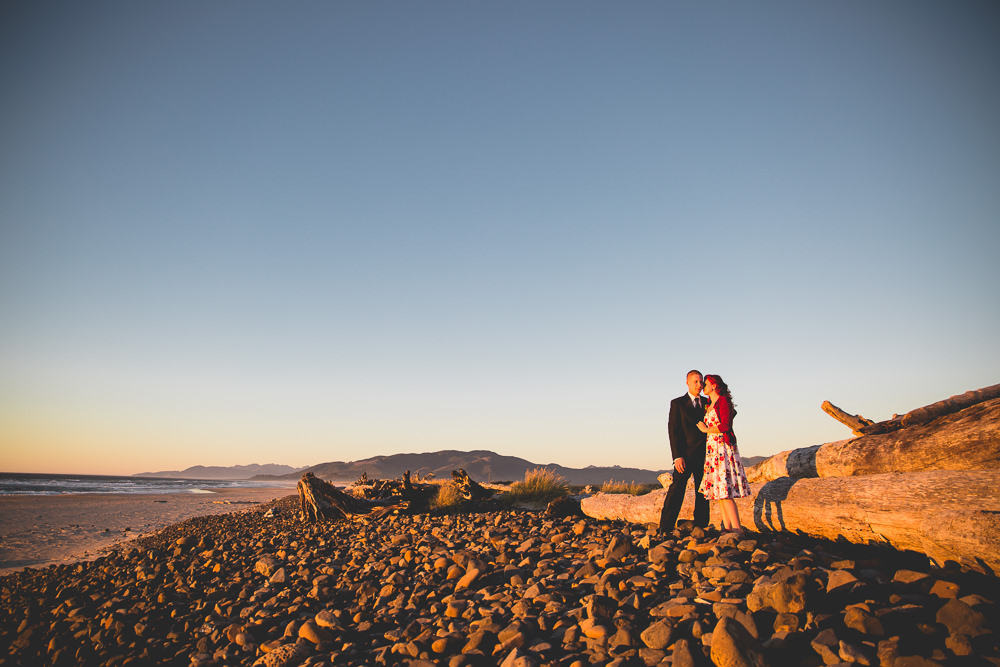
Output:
x=862 y=426
x=947 y=515
x=469 y=488
x=397 y=490
x=950 y=405
x=321 y=500
x=965 y=440
x=854 y=422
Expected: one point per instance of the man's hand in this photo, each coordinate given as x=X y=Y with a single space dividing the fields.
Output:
x=679 y=465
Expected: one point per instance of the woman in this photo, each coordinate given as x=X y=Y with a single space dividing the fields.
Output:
x=724 y=477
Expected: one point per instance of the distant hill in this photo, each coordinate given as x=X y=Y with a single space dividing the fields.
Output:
x=230 y=472
x=482 y=466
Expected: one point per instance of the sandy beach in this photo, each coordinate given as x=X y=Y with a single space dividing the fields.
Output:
x=36 y=531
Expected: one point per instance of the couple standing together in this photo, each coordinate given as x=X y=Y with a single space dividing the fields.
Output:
x=704 y=446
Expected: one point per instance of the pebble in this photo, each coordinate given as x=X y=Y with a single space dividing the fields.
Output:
x=511 y=587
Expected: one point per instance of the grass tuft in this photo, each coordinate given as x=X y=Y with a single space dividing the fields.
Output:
x=448 y=496
x=539 y=486
x=631 y=488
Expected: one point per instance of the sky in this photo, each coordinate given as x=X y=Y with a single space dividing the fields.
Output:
x=302 y=232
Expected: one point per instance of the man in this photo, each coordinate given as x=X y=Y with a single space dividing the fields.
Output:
x=687 y=445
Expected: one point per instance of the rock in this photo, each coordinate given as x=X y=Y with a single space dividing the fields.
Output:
x=959 y=644
x=519 y=658
x=909 y=577
x=724 y=610
x=593 y=629
x=787 y=623
x=855 y=654
x=312 y=632
x=266 y=566
x=785 y=597
x=683 y=655
x=286 y=655
x=651 y=657
x=945 y=589
x=327 y=619
x=827 y=645
x=839 y=579
x=658 y=555
x=733 y=646
x=619 y=547
x=658 y=635
x=471 y=574
x=861 y=620
x=601 y=607
x=961 y=619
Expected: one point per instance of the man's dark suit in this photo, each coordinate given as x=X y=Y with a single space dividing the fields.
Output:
x=686 y=442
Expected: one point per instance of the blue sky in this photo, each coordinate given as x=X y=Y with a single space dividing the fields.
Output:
x=236 y=232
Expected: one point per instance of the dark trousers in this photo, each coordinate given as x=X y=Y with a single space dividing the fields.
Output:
x=675 y=497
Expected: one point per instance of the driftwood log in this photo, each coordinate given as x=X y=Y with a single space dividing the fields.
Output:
x=469 y=488
x=321 y=500
x=862 y=426
x=968 y=439
x=947 y=515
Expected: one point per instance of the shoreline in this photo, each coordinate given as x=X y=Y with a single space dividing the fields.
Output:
x=38 y=531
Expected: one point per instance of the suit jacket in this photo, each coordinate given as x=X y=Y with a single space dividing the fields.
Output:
x=686 y=441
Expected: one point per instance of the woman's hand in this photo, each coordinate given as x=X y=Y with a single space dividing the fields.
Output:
x=702 y=427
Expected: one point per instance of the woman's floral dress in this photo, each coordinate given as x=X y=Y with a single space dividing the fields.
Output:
x=724 y=474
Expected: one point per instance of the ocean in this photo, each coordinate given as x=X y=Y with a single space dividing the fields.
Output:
x=39 y=484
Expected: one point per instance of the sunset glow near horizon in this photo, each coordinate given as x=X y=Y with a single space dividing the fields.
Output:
x=305 y=232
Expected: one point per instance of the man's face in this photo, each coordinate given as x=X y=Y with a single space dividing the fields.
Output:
x=694 y=383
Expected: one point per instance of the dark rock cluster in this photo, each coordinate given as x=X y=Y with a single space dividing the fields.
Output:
x=513 y=588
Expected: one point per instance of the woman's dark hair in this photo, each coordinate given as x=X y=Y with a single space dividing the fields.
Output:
x=720 y=386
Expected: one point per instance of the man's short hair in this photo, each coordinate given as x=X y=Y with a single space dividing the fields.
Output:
x=693 y=371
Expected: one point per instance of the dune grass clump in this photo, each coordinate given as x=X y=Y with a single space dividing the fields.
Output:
x=539 y=486
x=631 y=488
x=448 y=496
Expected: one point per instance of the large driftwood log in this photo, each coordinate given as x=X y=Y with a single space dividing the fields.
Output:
x=862 y=426
x=320 y=500
x=947 y=515
x=965 y=440
x=950 y=405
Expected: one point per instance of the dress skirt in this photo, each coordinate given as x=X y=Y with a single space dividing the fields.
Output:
x=724 y=474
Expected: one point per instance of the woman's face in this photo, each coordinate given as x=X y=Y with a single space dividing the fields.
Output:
x=709 y=386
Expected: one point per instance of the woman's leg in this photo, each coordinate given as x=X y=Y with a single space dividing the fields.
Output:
x=724 y=516
x=731 y=514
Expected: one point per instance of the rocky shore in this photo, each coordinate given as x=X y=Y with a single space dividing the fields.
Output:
x=513 y=587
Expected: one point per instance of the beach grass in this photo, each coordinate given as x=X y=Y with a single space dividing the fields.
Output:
x=448 y=496
x=540 y=485
x=631 y=488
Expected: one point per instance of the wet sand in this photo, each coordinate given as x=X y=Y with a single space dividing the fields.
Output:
x=36 y=531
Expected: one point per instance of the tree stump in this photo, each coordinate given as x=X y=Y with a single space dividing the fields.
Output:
x=470 y=489
x=321 y=500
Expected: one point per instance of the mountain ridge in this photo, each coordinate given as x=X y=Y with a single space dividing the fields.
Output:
x=481 y=465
